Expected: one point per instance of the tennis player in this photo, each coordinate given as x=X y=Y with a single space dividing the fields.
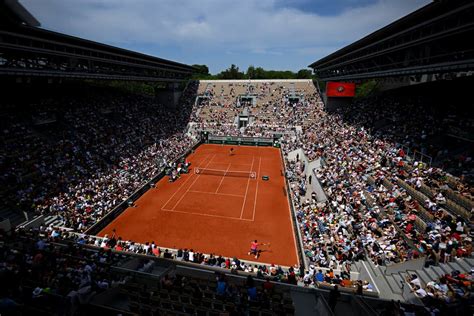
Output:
x=231 y=151
x=254 y=248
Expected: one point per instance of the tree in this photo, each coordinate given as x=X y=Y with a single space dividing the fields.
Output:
x=260 y=73
x=251 y=73
x=304 y=74
x=231 y=73
x=202 y=69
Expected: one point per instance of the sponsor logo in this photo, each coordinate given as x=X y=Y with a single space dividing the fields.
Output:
x=340 y=89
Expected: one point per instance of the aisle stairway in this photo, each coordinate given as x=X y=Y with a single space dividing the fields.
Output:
x=15 y=217
x=394 y=285
x=53 y=220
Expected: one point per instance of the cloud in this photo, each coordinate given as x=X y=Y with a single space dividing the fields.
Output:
x=210 y=27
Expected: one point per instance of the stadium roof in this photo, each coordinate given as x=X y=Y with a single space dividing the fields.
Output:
x=18 y=13
x=59 y=55
x=77 y=41
x=423 y=26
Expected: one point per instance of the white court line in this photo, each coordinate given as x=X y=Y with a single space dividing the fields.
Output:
x=246 y=190
x=182 y=196
x=209 y=215
x=222 y=180
x=182 y=184
x=204 y=192
x=256 y=190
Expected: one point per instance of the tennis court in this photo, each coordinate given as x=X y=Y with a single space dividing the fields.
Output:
x=219 y=207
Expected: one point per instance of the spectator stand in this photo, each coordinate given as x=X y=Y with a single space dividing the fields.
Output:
x=143 y=288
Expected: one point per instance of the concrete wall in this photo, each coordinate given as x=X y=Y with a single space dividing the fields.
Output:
x=318 y=189
x=310 y=166
x=315 y=184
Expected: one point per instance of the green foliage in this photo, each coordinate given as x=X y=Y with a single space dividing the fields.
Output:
x=233 y=72
x=202 y=73
x=366 y=88
x=304 y=74
x=202 y=69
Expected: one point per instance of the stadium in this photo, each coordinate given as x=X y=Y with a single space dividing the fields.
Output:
x=132 y=186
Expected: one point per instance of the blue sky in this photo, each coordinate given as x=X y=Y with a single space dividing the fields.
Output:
x=273 y=34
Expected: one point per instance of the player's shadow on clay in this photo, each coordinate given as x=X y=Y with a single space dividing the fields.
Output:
x=262 y=251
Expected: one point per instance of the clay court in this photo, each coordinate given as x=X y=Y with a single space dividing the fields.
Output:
x=215 y=213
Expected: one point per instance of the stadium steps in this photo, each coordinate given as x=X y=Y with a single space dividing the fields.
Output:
x=464 y=265
x=436 y=270
x=15 y=217
x=424 y=277
x=445 y=268
x=421 y=195
x=386 y=285
x=458 y=198
x=53 y=220
x=393 y=283
x=399 y=280
x=433 y=273
x=403 y=275
x=470 y=262
x=455 y=266
x=392 y=286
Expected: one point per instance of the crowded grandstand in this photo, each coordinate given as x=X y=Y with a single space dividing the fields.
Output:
x=379 y=189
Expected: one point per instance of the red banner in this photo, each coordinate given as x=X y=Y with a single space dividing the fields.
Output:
x=340 y=89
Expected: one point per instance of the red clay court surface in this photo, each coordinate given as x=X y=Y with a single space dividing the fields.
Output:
x=217 y=214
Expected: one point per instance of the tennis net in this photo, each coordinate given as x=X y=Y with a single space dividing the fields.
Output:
x=225 y=173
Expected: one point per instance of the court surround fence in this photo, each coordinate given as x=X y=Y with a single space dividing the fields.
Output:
x=247 y=141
